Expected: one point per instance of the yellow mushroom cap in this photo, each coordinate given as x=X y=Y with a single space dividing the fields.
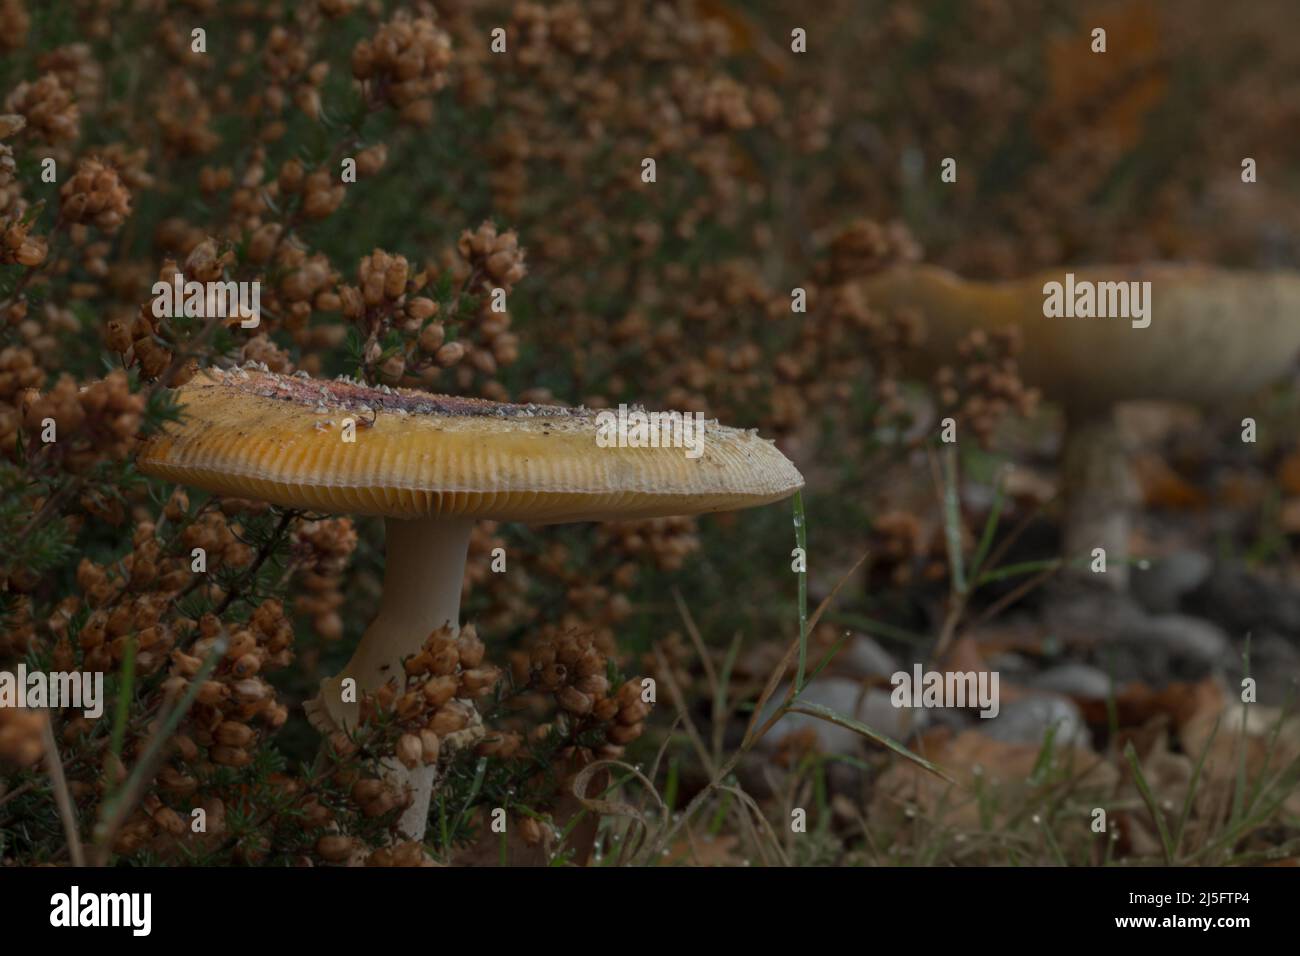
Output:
x=254 y=434
x=1215 y=334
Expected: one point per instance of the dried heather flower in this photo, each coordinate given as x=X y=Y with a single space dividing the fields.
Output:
x=95 y=194
x=49 y=109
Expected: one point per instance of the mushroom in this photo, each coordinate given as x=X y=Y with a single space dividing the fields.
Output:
x=1212 y=335
x=431 y=465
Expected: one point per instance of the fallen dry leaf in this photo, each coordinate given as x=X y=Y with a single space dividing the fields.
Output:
x=1290 y=518
x=1131 y=80
x=721 y=850
x=1288 y=473
x=968 y=757
x=1240 y=489
x=1137 y=704
x=1263 y=727
x=1162 y=487
x=964 y=656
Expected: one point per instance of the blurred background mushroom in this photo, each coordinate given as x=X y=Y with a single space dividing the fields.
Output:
x=1215 y=337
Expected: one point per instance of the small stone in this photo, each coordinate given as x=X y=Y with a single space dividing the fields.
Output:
x=1161 y=585
x=1181 y=636
x=866 y=658
x=1242 y=600
x=1009 y=662
x=1026 y=721
x=1089 y=614
x=1074 y=680
x=872 y=707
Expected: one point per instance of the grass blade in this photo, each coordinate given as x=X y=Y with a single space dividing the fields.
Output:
x=990 y=526
x=774 y=679
x=952 y=519
x=858 y=727
x=1166 y=841
x=1186 y=813
x=125 y=687
x=801 y=541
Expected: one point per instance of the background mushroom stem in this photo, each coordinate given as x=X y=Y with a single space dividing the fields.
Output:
x=424 y=570
x=1100 y=493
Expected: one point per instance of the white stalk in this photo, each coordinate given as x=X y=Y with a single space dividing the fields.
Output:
x=424 y=570
x=1100 y=493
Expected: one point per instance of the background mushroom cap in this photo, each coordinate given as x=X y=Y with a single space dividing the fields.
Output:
x=254 y=434
x=1215 y=334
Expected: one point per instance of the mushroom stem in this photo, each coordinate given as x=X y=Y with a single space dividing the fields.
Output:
x=423 y=573
x=1099 y=493
x=424 y=570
